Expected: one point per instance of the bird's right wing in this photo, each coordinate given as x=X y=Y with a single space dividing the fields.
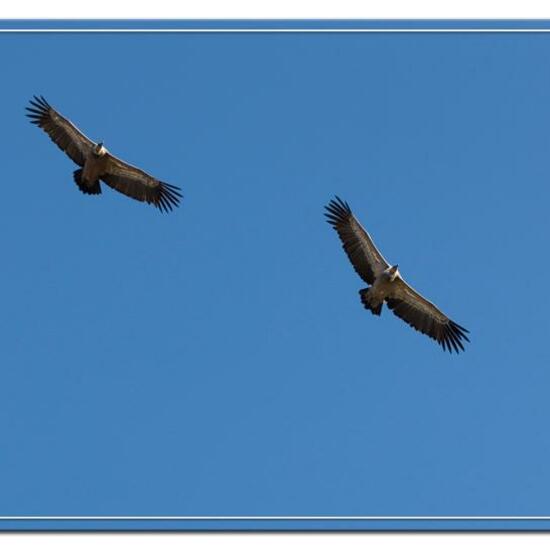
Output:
x=363 y=254
x=422 y=315
x=61 y=131
x=134 y=182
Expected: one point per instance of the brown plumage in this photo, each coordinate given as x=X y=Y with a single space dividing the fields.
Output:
x=387 y=285
x=98 y=164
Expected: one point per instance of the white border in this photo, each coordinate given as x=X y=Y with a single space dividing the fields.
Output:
x=278 y=9
x=276 y=518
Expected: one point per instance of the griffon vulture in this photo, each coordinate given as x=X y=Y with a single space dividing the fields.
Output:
x=98 y=164
x=387 y=284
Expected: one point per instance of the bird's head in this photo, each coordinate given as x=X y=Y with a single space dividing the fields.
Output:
x=393 y=272
x=99 y=149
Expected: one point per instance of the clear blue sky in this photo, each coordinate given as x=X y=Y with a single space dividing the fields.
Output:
x=217 y=360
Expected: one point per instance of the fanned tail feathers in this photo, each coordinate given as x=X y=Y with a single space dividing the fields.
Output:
x=374 y=306
x=93 y=189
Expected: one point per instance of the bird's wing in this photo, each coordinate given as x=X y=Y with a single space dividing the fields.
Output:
x=363 y=254
x=61 y=131
x=424 y=316
x=139 y=185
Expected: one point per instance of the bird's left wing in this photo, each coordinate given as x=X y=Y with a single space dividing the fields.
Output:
x=424 y=316
x=360 y=248
x=139 y=185
x=61 y=131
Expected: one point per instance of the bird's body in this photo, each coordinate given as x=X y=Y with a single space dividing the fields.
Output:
x=94 y=168
x=387 y=285
x=97 y=164
x=374 y=296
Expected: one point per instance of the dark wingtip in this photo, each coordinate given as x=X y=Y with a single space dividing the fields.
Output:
x=460 y=327
x=38 y=109
x=452 y=339
x=342 y=203
x=337 y=211
x=337 y=201
x=41 y=101
x=169 y=197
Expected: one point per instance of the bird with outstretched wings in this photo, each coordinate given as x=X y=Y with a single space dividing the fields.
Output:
x=97 y=164
x=386 y=282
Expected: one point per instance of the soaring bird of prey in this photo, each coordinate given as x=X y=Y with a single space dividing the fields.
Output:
x=386 y=282
x=98 y=164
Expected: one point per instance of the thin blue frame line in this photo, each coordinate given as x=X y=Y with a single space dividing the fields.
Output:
x=107 y=30
x=275 y=518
